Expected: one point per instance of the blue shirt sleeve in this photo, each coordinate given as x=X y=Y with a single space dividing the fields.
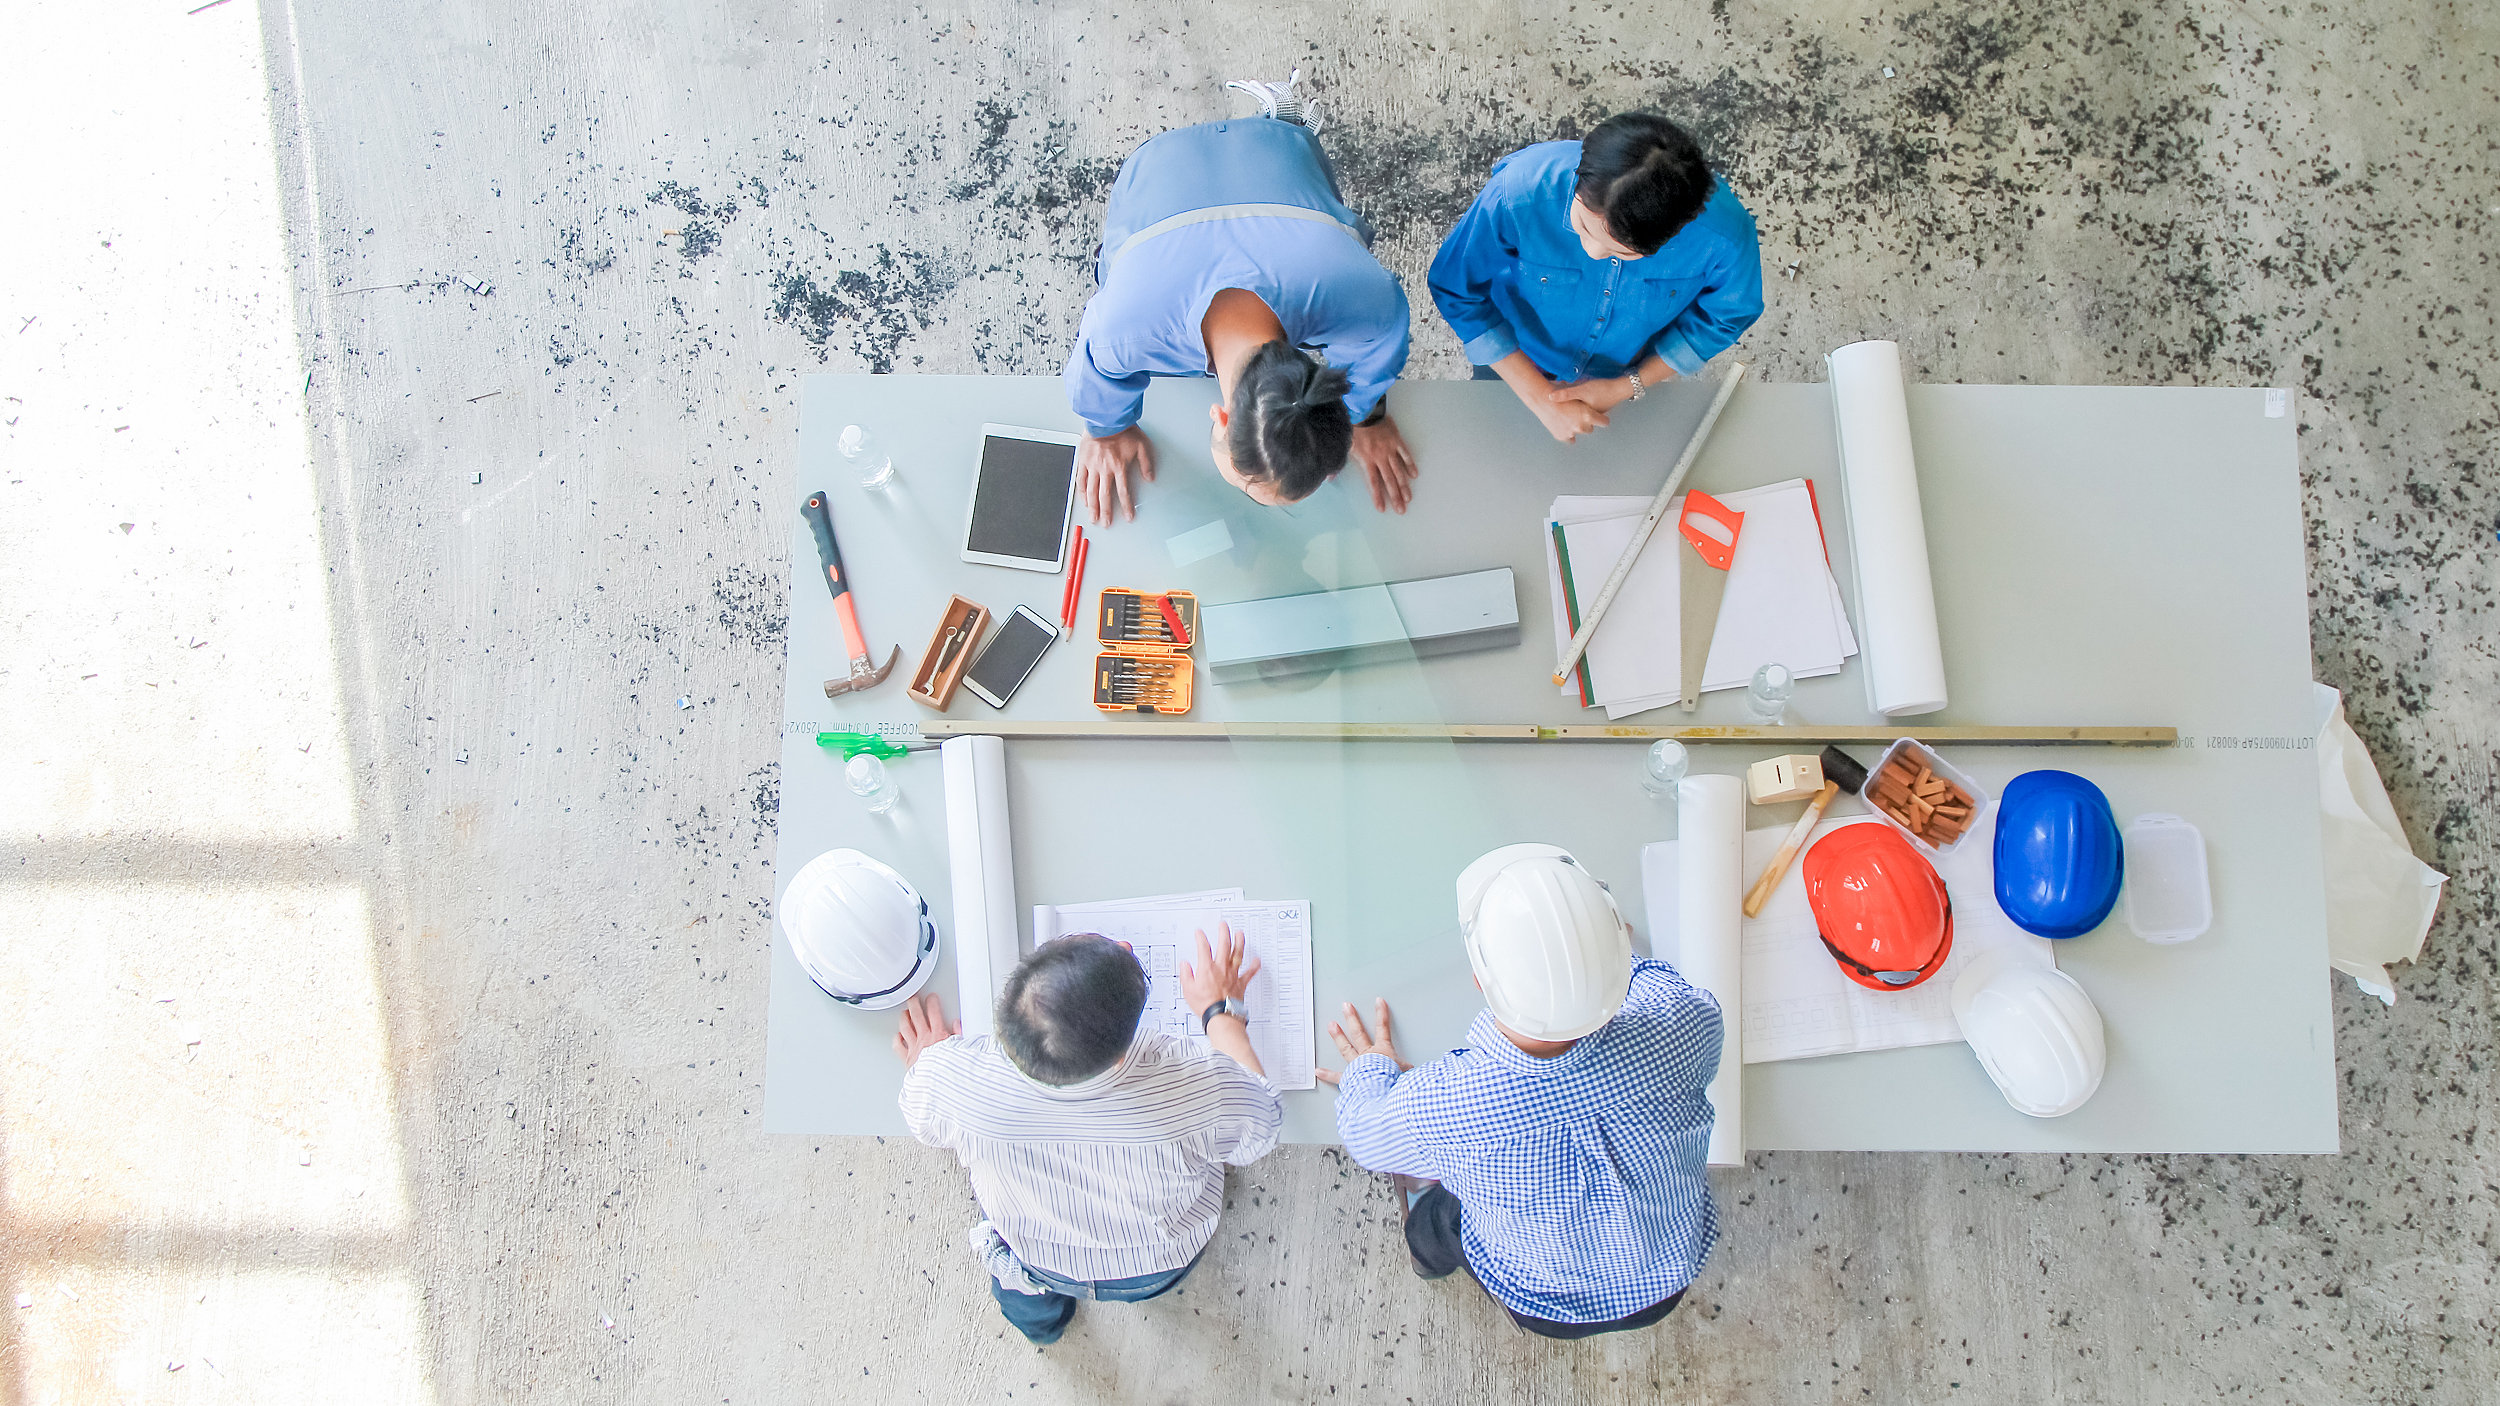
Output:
x=1372 y=363
x=1374 y=1117
x=1477 y=251
x=1725 y=308
x=1107 y=402
x=1661 y=993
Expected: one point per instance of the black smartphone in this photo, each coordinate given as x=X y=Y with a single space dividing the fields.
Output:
x=1000 y=669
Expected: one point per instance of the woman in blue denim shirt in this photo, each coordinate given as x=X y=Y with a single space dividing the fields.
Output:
x=1587 y=272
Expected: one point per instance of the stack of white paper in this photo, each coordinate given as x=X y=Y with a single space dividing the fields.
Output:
x=1782 y=604
x=1163 y=931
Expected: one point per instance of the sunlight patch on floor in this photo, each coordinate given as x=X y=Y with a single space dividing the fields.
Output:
x=202 y=1189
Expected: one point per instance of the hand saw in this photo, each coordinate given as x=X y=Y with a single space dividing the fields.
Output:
x=1709 y=528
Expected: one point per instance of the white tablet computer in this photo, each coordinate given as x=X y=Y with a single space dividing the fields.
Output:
x=1023 y=491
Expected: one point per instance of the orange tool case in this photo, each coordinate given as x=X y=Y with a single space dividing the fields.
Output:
x=1144 y=667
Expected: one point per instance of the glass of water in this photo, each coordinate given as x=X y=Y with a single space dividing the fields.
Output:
x=869 y=780
x=866 y=456
x=1766 y=699
x=1662 y=766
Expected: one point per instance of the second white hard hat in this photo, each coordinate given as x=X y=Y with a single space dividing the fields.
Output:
x=2035 y=1032
x=1545 y=940
x=861 y=933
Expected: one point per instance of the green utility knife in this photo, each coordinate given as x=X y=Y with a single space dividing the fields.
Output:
x=853 y=744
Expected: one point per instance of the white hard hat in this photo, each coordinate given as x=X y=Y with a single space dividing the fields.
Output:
x=2035 y=1032
x=1546 y=943
x=862 y=934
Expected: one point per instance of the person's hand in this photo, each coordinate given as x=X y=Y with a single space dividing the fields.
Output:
x=1219 y=974
x=1102 y=467
x=1387 y=462
x=1603 y=395
x=1360 y=1043
x=924 y=1024
x=1565 y=414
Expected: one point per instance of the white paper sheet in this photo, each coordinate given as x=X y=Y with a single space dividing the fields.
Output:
x=1202 y=898
x=1887 y=534
x=1797 y=1003
x=1709 y=926
x=1163 y=932
x=980 y=864
x=1782 y=603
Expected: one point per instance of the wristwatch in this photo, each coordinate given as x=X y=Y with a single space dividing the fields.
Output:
x=1638 y=390
x=1227 y=1006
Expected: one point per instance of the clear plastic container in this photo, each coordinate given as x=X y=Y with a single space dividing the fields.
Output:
x=868 y=780
x=866 y=456
x=1766 y=698
x=1926 y=756
x=1663 y=767
x=2170 y=895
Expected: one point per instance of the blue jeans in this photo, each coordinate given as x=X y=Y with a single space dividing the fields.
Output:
x=1043 y=1317
x=1244 y=160
x=1432 y=1221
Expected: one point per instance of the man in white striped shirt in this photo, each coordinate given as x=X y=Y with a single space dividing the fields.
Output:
x=1097 y=1152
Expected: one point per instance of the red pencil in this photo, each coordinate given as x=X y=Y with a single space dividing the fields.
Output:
x=1076 y=579
x=1067 y=593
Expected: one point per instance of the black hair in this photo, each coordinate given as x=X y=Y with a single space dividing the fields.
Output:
x=1069 y=1011
x=1646 y=175
x=1289 y=421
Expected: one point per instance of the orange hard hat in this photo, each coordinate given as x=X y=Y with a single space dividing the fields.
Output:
x=1879 y=906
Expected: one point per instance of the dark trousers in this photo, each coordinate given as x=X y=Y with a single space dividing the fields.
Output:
x=1432 y=1238
x=1043 y=1317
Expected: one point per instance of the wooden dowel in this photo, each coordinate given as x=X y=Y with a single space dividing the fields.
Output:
x=1999 y=736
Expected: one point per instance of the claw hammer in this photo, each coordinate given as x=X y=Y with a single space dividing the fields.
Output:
x=863 y=673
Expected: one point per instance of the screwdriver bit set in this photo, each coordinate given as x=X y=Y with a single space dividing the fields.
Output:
x=1145 y=666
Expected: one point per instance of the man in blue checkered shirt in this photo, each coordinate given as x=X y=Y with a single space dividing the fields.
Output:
x=1561 y=1156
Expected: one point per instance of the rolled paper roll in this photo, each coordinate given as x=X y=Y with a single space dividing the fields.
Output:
x=1710 y=936
x=1904 y=654
x=980 y=863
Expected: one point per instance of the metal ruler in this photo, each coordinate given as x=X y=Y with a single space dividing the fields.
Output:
x=1649 y=524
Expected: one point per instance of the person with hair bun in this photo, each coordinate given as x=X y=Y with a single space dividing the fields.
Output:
x=1587 y=272
x=1227 y=252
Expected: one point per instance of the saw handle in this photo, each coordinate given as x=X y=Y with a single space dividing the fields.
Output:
x=820 y=522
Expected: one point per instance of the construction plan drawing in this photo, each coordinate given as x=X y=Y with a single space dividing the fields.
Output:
x=1797 y=1003
x=1163 y=932
x=1782 y=603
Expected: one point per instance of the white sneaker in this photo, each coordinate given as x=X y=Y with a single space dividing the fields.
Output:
x=1281 y=101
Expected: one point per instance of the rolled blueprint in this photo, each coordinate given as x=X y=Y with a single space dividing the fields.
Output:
x=1710 y=935
x=981 y=865
x=1902 y=654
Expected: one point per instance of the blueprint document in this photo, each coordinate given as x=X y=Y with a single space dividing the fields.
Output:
x=1797 y=1004
x=1163 y=931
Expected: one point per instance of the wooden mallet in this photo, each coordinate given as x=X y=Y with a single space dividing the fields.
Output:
x=1841 y=772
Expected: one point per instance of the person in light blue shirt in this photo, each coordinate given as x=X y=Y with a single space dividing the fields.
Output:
x=1587 y=272
x=1561 y=1156
x=1227 y=252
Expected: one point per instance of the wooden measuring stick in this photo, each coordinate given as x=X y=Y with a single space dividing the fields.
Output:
x=1649 y=524
x=2044 y=735
x=1796 y=841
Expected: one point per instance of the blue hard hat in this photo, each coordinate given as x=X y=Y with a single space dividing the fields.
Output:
x=2058 y=858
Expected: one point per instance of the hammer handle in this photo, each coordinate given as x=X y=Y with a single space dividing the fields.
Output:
x=1778 y=867
x=820 y=522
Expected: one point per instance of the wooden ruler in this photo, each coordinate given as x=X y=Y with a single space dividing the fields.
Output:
x=1657 y=513
x=1165 y=729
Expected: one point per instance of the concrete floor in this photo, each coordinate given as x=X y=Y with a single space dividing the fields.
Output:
x=385 y=950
